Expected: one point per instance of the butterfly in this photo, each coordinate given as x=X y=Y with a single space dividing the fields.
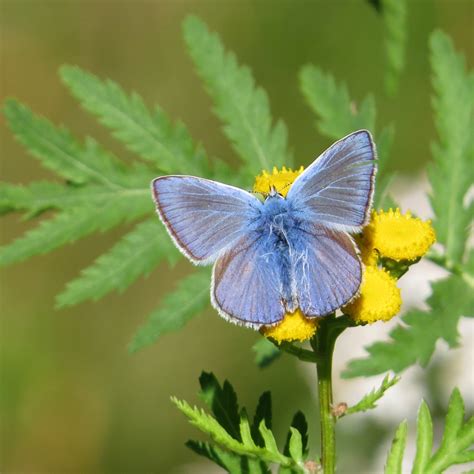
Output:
x=273 y=256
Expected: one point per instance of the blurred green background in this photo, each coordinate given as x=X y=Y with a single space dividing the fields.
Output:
x=72 y=398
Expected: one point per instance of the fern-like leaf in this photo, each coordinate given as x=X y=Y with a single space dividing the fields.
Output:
x=452 y=172
x=242 y=106
x=229 y=461
x=395 y=455
x=150 y=135
x=189 y=298
x=136 y=254
x=71 y=225
x=262 y=412
x=338 y=114
x=394 y=14
x=301 y=425
x=38 y=196
x=57 y=149
x=416 y=340
x=370 y=400
x=424 y=439
x=222 y=401
x=455 y=447
x=210 y=426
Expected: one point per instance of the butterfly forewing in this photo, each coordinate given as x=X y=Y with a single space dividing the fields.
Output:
x=202 y=216
x=336 y=190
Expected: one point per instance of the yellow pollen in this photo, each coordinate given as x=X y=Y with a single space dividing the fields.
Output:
x=379 y=298
x=397 y=236
x=294 y=327
x=281 y=180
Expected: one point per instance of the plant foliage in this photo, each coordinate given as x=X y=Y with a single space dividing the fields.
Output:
x=239 y=445
x=94 y=179
x=96 y=191
x=339 y=115
x=455 y=447
x=394 y=14
x=369 y=401
x=450 y=176
x=242 y=107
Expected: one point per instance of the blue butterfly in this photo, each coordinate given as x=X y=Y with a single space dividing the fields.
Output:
x=275 y=256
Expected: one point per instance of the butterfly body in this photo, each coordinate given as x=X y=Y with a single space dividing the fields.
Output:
x=277 y=230
x=275 y=256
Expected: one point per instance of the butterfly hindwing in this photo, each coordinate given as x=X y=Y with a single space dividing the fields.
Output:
x=202 y=216
x=326 y=269
x=336 y=190
x=248 y=282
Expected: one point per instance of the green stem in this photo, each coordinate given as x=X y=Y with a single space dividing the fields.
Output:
x=323 y=346
x=302 y=354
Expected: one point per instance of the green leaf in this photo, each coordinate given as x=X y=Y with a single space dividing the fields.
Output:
x=382 y=198
x=452 y=172
x=231 y=462
x=424 y=439
x=415 y=341
x=455 y=446
x=71 y=225
x=136 y=254
x=57 y=149
x=189 y=298
x=265 y=352
x=369 y=401
x=38 y=196
x=245 y=430
x=222 y=402
x=384 y=145
x=210 y=425
x=458 y=438
x=394 y=14
x=150 y=135
x=338 y=114
x=299 y=423
x=296 y=445
x=454 y=418
x=243 y=108
x=263 y=412
x=269 y=439
x=395 y=456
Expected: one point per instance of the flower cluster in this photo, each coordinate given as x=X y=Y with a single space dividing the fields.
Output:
x=388 y=245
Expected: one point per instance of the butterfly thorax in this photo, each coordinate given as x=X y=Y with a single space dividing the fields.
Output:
x=277 y=218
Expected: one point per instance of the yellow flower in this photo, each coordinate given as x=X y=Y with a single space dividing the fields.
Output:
x=280 y=180
x=379 y=298
x=396 y=236
x=293 y=327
